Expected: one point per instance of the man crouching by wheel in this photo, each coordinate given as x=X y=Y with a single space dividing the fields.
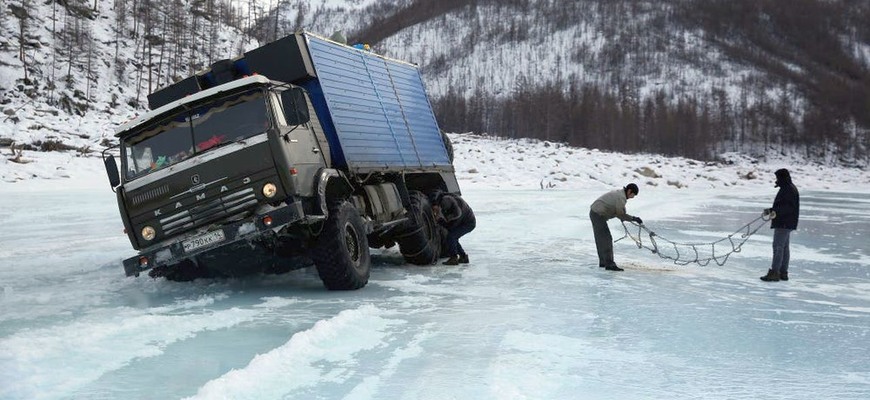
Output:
x=454 y=214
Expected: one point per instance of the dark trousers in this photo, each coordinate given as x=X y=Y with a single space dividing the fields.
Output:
x=453 y=235
x=603 y=239
x=781 y=239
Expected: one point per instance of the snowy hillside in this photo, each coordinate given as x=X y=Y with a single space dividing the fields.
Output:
x=746 y=76
x=78 y=71
x=638 y=77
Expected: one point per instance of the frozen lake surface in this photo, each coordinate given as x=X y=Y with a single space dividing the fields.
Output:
x=532 y=316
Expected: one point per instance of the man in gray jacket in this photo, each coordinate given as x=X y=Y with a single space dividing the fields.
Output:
x=610 y=205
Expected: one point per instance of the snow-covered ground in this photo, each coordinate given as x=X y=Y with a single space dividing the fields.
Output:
x=496 y=163
x=532 y=316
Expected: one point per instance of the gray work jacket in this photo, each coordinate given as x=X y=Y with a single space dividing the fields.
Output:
x=612 y=204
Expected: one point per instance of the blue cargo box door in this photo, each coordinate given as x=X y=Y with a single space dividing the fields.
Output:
x=379 y=110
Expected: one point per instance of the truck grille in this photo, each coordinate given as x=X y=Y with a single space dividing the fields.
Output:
x=150 y=195
x=223 y=207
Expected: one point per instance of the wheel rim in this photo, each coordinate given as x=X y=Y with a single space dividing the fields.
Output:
x=351 y=240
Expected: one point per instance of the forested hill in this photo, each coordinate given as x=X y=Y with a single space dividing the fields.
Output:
x=679 y=77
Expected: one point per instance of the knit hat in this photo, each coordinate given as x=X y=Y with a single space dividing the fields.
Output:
x=632 y=187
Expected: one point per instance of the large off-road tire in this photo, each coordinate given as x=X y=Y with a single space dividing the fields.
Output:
x=420 y=243
x=341 y=251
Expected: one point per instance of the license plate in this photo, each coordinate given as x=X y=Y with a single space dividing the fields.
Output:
x=203 y=240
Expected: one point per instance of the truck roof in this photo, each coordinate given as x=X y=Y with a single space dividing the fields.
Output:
x=375 y=110
x=165 y=109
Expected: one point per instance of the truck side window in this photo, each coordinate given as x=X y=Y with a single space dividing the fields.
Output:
x=295 y=106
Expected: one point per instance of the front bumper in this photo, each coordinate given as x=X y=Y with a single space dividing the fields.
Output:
x=249 y=228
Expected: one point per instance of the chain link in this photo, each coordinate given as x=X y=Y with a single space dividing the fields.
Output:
x=698 y=253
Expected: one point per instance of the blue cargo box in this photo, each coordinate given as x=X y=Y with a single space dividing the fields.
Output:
x=374 y=110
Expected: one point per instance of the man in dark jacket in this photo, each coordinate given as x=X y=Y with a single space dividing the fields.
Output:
x=610 y=205
x=453 y=213
x=784 y=219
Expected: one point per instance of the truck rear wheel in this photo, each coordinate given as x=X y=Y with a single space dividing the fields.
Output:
x=341 y=252
x=421 y=242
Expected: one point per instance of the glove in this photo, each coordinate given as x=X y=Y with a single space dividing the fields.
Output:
x=638 y=220
x=766 y=211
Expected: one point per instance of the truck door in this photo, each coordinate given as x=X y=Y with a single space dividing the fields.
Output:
x=299 y=141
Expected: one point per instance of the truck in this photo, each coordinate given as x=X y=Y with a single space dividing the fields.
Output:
x=301 y=152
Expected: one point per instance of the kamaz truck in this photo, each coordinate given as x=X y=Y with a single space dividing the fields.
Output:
x=303 y=151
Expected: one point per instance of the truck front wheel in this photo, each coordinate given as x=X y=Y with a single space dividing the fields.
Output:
x=341 y=252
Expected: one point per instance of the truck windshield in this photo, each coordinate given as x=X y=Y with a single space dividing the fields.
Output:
x=195 y=131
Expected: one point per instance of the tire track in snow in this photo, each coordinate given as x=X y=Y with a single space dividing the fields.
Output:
x=325 y=353
x=52 y=362
x=368 y=389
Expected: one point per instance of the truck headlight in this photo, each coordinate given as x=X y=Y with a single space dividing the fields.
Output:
x=148 y=233
x=269 y=190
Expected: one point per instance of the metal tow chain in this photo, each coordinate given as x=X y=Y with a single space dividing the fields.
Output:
x=699 y=253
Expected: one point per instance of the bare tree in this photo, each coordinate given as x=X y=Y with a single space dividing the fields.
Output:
x=23 y=16
x=90 y=73
x=120 y=31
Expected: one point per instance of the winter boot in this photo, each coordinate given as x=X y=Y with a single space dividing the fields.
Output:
x=613 y=267
x=453 y=260
x=771 y=276
x=783 y=276
x=463 y=258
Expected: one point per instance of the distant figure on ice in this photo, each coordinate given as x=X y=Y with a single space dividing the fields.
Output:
x=453 y=213
x=550 y=185
x=609 y=205
x=784 y=219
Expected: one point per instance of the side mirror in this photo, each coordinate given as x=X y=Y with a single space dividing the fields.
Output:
x=112 y=171
x=295 y=106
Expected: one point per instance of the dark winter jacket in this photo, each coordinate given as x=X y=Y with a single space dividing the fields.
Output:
x=786 y=205
x=454 y=210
